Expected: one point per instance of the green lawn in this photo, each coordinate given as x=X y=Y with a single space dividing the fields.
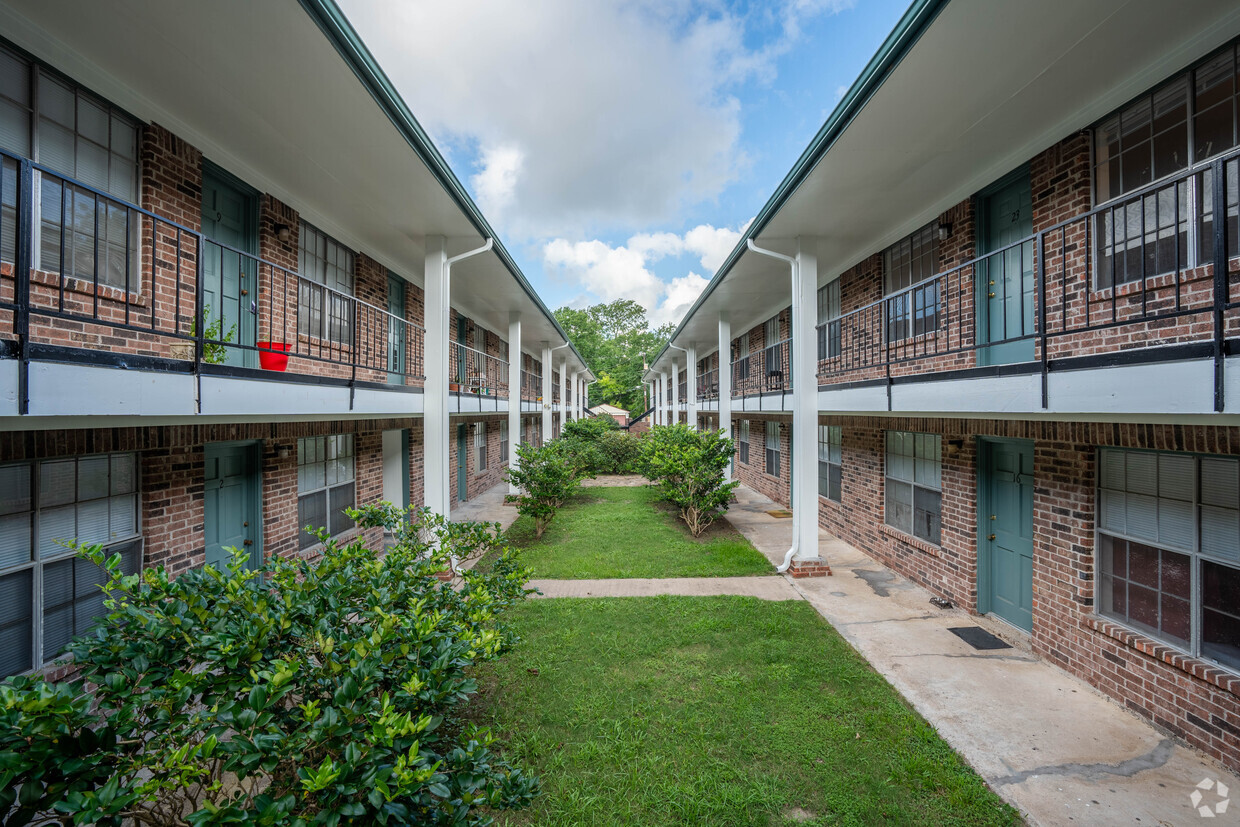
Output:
x=629 y=532
x=715 y=710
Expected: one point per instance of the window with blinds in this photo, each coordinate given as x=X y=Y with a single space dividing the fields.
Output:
x=48 y=595
x=325 y=485
x=772 y=448
x=906 y=264
x=55 y=123
x=830 y=462
x=743 y=442
x=1169 y=548
x=480 y=446
x=913 y=486
x=829 y=312
x=325 y=290
x=1188 y=119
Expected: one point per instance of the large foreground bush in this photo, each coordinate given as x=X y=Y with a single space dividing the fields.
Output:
x=293 y=694
x=690 y=466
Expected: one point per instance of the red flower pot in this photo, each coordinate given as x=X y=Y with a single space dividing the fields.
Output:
x=273 y=360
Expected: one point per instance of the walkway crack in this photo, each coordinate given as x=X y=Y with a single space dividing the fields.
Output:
x=1156 y=757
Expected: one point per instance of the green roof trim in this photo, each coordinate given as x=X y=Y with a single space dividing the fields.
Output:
x=903 y=37
x=340 y=32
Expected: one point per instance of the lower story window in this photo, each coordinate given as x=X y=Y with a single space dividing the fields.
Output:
x=829 y=462
x=480 y=445
x=503 y=441
x=1169 y=548
x=48 y=595
x=743 y=442
x=913 y=485
x=325 y=485
x=772 y=448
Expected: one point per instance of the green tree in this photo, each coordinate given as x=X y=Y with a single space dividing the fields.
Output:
x=615 y=339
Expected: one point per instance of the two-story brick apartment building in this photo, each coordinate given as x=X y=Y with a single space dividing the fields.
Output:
x=986 y=331
x=240 y=291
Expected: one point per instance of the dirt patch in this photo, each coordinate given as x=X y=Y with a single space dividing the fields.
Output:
x=616 y=481
x=720 y=529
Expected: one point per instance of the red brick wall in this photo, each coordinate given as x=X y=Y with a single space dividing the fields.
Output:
x=1188 y=698
x=476 y=481
x=753 y=473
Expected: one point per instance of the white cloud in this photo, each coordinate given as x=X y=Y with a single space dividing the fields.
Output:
x=588 y=117
x=608 y=273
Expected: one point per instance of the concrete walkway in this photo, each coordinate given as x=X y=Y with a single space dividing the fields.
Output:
x=1047 y=742
x=487 y=507
x=763 y=588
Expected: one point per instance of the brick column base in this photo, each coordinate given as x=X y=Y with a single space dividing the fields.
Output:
x=809 y=568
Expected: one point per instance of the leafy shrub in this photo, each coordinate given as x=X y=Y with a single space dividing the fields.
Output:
x=689 y=467
x=619 y=452
x=292 y=694
x=598 y=446
x=546 y=476
x=591 y=428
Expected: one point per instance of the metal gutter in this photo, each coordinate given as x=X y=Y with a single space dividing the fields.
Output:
x=903 y=37
x=340 y=32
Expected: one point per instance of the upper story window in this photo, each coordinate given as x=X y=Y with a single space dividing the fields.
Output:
x=324 y=262
x=908 y=262
x=1169 y=548
x=1188 y=119
x=829 y=312
x=58 y=124
x=740 y=356
x=48 y=595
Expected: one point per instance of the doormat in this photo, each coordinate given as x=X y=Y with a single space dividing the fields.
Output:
x=978 y=638
x=781 y=513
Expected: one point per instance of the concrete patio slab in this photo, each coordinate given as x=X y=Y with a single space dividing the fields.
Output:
x=487 y=507
x=762 y=587
x=1050 y=744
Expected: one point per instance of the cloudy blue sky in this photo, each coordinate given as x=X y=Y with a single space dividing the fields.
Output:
x=619 y=147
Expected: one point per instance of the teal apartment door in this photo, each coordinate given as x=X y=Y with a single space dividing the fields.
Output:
x=230 y=280
x=1006 y=531
x=462 y=458
x=396 y=330
x=232 y=503
x=1006 y=280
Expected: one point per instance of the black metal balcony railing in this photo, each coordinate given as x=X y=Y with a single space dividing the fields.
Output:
x=477 y=373
x=85 y=275
x=682 y=391
x=768 y=370
x=708 y=385
x=531 y=386
x=1152 y=268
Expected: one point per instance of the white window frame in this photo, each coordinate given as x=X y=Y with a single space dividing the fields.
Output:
x=829 y=313
x=911 y=310
x=772 y=466
x=480 y=447
x=742 y=442
x=920 y=469
x=830 y=461
x=503 y=441
x=325 y=312
x=41 y=555
x=326 y=450
x=1213 y=510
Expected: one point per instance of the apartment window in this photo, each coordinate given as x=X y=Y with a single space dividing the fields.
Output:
x=772 y=448
x=1169 y=548
x=913 y=485
x=480 y=446
x=743 y=442
x=325 y=485
x=61 y=126
x=47 y=594
x=503 y=441
x=740 y=357
x=1186 y=120
x=325 y=290
x=830 y=467
x=828 y=320
x=913 y=307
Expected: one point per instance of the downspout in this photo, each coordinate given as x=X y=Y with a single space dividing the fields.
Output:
x=792 y=264
x=490 y=243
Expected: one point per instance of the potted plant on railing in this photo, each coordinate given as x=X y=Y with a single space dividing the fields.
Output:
x=215 y=341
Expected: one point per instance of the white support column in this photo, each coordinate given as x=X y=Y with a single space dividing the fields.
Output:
x=805 y=408
x=691 y=383
x=675 y=393
x=514 y=390
x=725 y=378
x=546 y=393
x=578 y=390
x=563 y=393
x=666 y=418
x=435 y=421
